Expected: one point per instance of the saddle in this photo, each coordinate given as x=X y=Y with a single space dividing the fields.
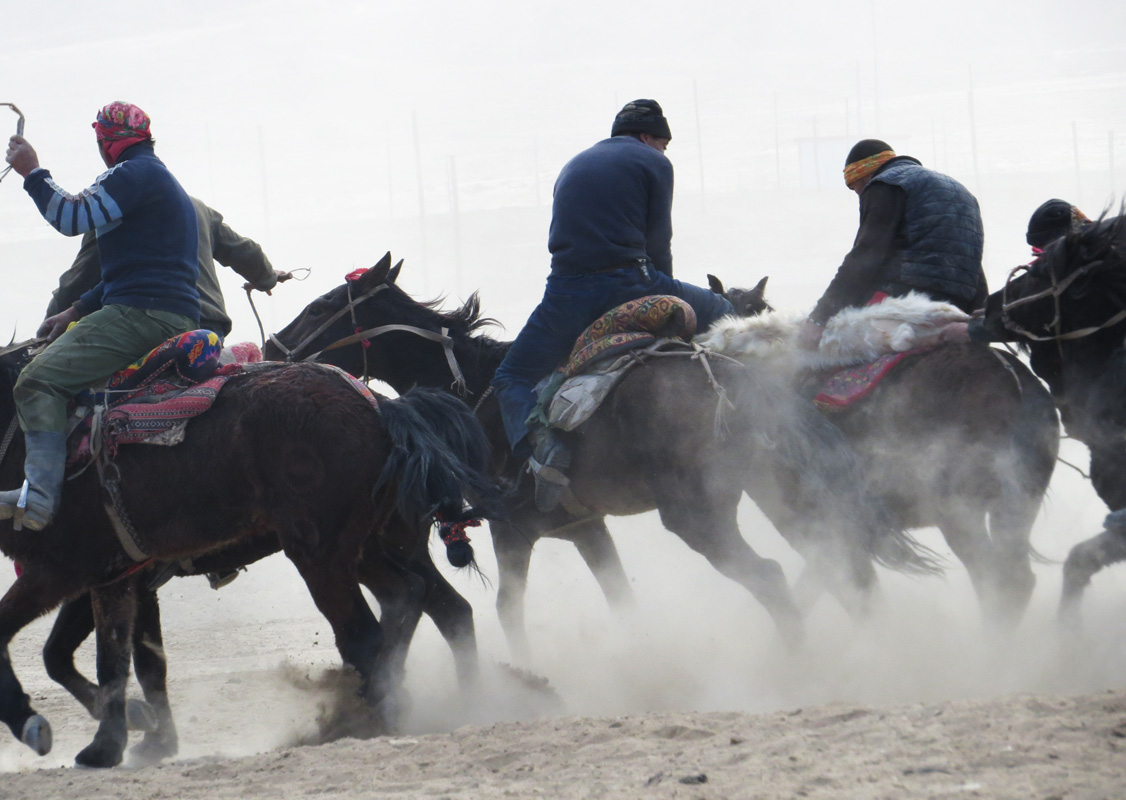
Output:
x=606 y=351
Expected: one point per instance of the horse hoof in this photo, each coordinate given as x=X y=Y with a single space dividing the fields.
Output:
x=99 y=755
x=37 y=735
x=140 y=716
x=153 y=749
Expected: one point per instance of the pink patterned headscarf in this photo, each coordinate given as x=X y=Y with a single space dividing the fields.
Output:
x=119 y=126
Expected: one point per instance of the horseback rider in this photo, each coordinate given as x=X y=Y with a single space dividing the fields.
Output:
x=919 y=231
x=1052 y=220
x=611 y=242
x=217 y=242
x=148 y=240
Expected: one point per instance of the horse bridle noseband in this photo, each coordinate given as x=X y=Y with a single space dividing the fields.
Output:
x=362 y=336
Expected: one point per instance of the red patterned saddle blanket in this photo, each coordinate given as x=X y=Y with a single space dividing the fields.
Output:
x=852 y=384
x=152 y=399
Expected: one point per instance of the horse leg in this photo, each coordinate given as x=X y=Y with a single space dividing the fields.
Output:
x=831 y=564
x=707 y=524
x=328 y=568
x=594 y=544
x=399 y=593
x=514 y=554
x=965 y=531
x=115 y=607
x=161 y=740
x=1084 y=560
x=28 y=598
x=73 y=623
x=1010 y=528
x=453 y=616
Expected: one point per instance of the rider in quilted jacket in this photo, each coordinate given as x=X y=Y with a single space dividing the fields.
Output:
x=919 y=231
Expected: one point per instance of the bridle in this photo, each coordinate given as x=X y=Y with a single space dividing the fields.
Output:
x=1054 y=291
x=363 y=336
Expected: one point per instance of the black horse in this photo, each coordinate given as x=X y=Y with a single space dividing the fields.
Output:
x=293 y=451
x=1068 y=309
x=963 y=438
x=652 y=444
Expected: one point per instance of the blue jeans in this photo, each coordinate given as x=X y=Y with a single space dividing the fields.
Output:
x=571 y=303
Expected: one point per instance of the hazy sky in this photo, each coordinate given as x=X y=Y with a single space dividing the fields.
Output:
x=312 y=126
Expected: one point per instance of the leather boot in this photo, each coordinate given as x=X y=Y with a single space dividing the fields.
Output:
x=34 y=504
x=550 y=458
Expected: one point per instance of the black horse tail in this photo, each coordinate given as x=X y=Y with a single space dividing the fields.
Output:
x=822 y=482
x=439 y=454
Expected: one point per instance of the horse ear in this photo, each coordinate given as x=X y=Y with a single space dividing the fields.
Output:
x=760 y=287
x=715 y=284
x=393 y=275
x=376 y=275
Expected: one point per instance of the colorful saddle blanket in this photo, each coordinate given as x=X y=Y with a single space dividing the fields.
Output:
x=638 y=323
x=153 y=399
x=846 y=386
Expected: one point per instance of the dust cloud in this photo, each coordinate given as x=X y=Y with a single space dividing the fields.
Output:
x=395 y=128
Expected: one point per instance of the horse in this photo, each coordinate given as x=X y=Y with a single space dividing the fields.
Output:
x=1068 y=311
x=406 y=584
x=295 y=451
x=960 y=437
x=652 y=444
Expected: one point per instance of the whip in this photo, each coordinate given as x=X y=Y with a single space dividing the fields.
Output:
x=19 y=132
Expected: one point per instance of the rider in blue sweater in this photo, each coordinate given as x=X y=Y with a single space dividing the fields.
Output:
x=147 y=237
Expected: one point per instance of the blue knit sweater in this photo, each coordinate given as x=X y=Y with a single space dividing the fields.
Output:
x=147 y=232
x=613 y=205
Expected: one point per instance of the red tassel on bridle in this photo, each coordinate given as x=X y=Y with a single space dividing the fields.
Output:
x=451 y=532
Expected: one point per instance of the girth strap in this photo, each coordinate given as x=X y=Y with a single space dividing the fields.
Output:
x=114 y=503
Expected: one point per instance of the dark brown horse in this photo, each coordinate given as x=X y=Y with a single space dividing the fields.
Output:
x=294 y=452
x=394 y=566
x=652 y=444
x=1068 y=308
x=963 y=438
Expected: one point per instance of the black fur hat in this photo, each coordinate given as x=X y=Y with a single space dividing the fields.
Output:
x=642 y=116
x=1049 y=222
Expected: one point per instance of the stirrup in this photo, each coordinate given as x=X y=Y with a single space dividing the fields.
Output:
x=546 y=473
x=21 y=507
x=550 y=485
x=220 y=579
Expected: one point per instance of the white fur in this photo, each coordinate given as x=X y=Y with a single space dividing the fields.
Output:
x=854 y=336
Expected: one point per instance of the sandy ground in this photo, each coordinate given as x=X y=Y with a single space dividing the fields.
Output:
x=690 y=694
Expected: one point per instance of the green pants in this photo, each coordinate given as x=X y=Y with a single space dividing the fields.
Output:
x=94 y=348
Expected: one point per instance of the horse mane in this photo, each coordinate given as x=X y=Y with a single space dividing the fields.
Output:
x=466 y=319
x=464 y=323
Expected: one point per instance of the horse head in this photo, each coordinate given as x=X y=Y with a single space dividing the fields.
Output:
x=747 y=302
x=370 y=327
x=1074 y=290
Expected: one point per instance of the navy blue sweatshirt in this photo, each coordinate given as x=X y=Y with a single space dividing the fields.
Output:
x=613 y=205
x=147 y=232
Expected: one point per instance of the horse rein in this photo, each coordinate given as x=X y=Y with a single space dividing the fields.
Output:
x=362 y=336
